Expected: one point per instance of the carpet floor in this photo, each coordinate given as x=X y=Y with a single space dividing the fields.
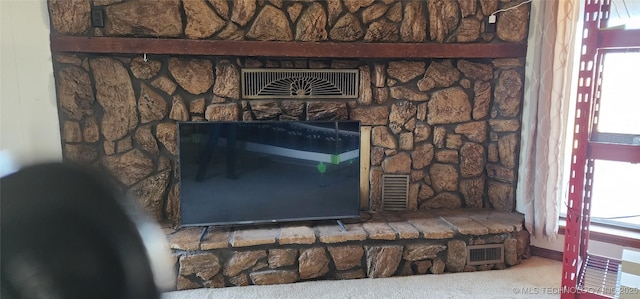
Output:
x=533 y=278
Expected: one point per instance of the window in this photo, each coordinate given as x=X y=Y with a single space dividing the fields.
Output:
x=613 y=141
x=614 y=196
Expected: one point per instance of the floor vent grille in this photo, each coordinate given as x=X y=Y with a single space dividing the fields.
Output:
x=599 y=275
x=299 y=83
x=485 y=254
x=395 y=192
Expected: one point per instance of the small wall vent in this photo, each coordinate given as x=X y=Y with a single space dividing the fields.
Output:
x=299 y=83
x=485 y=254
x=395 y=192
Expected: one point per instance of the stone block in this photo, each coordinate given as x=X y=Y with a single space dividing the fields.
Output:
x=444 y=177
x=260 y=265
x=381 y=137
x=476 y=71
x=313 y=262
x=501 y=196
x=240 y=280
x=417 y=252
x=421 y=267
x=282 y=257
x=523 y=246
x=204 y=266
x=253 y=237
x=379 y=231
x=500 y=173
x=296 y=235
x=405 y=71
x=242 y=260
x=508 y=93
x=186 y=239
x=404 y=229
x=346 y=257
x=406 y=141
x=472 y=160
x=507 y=150
x=366 y=94
x=433 y=228
x=449 y=106
x=422 y=156
x=323 y=110
x=504 y=125
x=474 y=131
x=383 y=261
x=71 y=131
x=509 y=27
x=403 y=93
x=447 y=156
x=437 y=267
x=456 y=256
x=216 y=237
x=186 y=284
x=493 y=225
x=333 y=233
x=504 y=220
x=273 y=277
x=466 y=225
x=510 y=252
x=473 y=190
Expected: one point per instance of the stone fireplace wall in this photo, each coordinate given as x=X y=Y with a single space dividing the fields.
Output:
x=453 y=125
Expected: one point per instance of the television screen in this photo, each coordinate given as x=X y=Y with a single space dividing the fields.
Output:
x=256 y=172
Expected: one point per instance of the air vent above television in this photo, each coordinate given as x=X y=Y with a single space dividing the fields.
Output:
x=299 y=83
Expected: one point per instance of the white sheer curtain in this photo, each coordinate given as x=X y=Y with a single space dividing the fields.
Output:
x=548 y=72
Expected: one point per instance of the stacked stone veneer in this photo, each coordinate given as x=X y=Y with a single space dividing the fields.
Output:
x=395 y=245
x=452 y=125
x=440 y=21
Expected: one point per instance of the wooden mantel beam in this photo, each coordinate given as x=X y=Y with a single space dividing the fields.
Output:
x=124 y=45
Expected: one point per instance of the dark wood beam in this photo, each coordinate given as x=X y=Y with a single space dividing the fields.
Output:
x=123 y=45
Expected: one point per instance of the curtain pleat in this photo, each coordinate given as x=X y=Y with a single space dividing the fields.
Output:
x=545 y=116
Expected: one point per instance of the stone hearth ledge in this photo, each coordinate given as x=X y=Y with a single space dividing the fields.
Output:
x=388 y=244
x=422 y=224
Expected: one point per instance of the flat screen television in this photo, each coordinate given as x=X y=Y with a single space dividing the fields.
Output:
x=259 y=172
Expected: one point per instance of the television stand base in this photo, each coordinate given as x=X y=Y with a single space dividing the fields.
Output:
x=344 y=228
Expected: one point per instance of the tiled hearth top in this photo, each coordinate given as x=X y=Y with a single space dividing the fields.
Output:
x=427 y=224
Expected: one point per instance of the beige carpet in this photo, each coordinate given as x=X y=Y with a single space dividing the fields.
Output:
x=538 y=277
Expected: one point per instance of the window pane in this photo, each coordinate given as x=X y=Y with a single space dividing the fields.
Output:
x=615 y=196
x=620 y=98
x=624 y=12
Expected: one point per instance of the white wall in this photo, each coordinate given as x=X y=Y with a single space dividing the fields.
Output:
x=29 y=128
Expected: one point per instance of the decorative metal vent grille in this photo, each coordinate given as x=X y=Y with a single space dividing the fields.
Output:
x=395 y=192
x=299 y=83
x=485 y=254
